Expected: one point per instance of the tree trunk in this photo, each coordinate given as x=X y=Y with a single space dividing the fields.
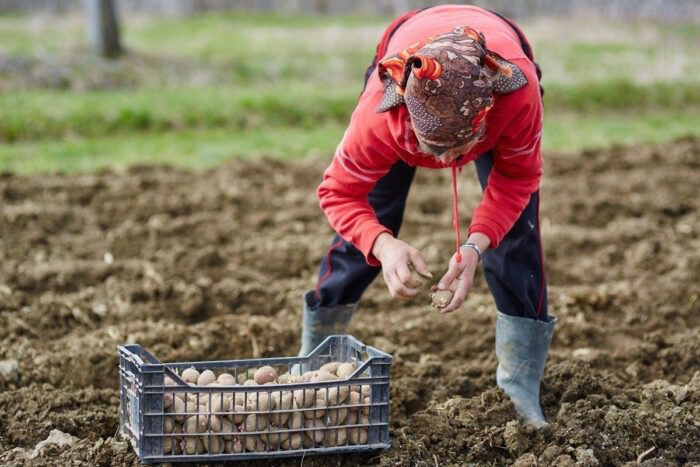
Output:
x=102 y=27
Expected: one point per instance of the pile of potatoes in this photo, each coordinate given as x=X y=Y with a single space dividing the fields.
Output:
x=291 y=419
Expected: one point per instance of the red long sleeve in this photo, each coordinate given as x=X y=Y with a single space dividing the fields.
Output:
x=359 y=161
x=517 y=168
x=374 y=142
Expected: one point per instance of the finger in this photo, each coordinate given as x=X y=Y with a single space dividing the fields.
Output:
x=404 y=275
x=452 y=273
x=398 y=289
x=411 y=282
x=420 y=265
x=460 y=295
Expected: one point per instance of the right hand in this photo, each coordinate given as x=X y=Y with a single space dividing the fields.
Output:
x=397 y=257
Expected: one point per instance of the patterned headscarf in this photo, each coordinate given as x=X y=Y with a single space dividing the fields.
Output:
x=447 y=82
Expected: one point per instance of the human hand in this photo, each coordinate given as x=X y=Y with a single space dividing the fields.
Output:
x=459 y=279
x=397 y=258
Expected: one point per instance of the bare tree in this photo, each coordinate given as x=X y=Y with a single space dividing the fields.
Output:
x=103 y=27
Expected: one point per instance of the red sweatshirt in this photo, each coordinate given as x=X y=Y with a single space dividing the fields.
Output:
x=374 y=142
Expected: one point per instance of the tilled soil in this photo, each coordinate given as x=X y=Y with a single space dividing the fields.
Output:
x=212 y=265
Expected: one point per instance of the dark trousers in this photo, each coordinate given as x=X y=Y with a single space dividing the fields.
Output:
x=514 y=271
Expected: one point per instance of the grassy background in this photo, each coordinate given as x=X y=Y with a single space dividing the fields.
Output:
x=201 y=90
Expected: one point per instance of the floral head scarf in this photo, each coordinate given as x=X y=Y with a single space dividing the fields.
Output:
x=447 y=83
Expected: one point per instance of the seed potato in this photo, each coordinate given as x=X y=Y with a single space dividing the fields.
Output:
x=318 y=434
x=206 y=377
x=296 y=420
x=190 y=375
x=265 y=374
x=331 y=367
x=441 y=298
x=226 y=379
x=345 y=370
x=337 y=416
x=304 y=397
x=193 y=445
x=213 y=444
x=320 y=404
x=293 y=442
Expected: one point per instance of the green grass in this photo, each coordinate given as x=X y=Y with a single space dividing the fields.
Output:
x=200 y=90
x=207 y=147
x=574 y=132
x=188 y=148
x=50 y=115
x=46 y=115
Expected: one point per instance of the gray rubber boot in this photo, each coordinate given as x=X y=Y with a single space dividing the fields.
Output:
x=321 y=322
x=522 y=345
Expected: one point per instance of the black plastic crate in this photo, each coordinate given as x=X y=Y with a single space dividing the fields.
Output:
x=166 y=418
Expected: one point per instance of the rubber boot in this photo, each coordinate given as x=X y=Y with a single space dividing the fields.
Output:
x=321 y=322
x=522 y=345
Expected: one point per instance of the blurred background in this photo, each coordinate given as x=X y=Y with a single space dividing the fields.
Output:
x=196 y=82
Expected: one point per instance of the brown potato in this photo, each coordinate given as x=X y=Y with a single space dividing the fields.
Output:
x=304 y=397
x=323 y=376
x=358 y=435
x=258 y=401
x=178 y=407
x=190 y=375
x=233 y=446
x=200 y=424
x=337 y=416
x=168 y=400
x=293 y=442
x=226 y=379
x=331 y=367
x=366 y=402
x=256 y=422
x=283 y=378
x=220 y=403
x=168 y=381
x=275 y=436
x=213 y=444
x=168 y=425
x=365 y=390
x=335 y=395
x=321 y=409
x=296 y=420
x=193 y=445
x=319 y=433
x=336 y=437
x=441 y=298
x=206 y=377
x=308 y=442
x=265 y=374
x=253 y=443
x=227 y=427
x=282 y=401
x=353 y=399
x=345 y=370
x=168 y=444
x=237 y=417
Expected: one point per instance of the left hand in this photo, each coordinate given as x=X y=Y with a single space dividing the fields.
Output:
x=459 y=278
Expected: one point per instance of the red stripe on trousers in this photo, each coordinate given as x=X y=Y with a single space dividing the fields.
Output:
x=330 y=268
x=539 y=242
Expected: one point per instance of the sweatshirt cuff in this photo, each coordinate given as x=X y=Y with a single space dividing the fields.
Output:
x=486 y=230
x=366 y=240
